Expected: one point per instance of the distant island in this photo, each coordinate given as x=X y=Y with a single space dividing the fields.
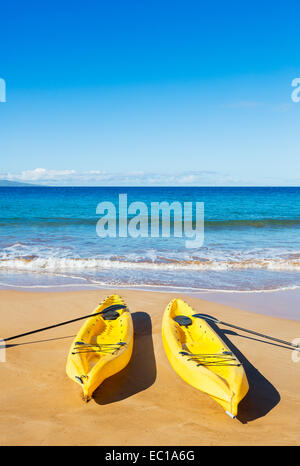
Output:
x=7 y=183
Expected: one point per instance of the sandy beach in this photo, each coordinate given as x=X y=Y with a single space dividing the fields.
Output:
x=147 y=403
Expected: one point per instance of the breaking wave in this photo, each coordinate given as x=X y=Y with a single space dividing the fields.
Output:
x=56 y=264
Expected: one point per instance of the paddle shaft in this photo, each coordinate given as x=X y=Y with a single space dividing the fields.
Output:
x=113 y=307
x=248 y=331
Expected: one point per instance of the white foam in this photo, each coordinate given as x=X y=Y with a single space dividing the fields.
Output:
x=56 y=264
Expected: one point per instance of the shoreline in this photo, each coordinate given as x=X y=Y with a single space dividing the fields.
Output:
x=281 y=303
x=41 y=406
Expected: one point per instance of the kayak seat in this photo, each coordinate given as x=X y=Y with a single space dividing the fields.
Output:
x=110 y=315
x=113 y=307
x=184 y=321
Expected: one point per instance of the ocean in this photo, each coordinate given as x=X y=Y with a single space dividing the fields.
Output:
x=48 y=239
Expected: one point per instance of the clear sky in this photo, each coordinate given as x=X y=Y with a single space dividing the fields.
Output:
x=150 y=92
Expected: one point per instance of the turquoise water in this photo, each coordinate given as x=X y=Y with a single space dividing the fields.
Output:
x=252 y=240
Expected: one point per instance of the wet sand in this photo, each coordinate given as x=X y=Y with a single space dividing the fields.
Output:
x=277 y=303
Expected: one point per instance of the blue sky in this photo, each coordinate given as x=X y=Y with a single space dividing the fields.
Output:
x=160 y=92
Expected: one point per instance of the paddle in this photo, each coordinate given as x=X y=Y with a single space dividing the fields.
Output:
x=113 y=307
x=216 y=321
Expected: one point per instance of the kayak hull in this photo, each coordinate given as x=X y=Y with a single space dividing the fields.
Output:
x=102 y=347
x=214 y=370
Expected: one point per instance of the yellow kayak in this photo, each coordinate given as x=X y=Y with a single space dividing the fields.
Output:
x=201 y=357
x=102 y=347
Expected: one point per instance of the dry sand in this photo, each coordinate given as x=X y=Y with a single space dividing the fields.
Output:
x=147 y=403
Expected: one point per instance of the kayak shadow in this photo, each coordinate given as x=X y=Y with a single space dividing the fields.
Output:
x=140 y=373
x=262 y=395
